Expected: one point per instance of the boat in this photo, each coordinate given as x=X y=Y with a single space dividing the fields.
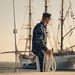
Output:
x=64 y=58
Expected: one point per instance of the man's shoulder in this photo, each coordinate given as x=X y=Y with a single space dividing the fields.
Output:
x=38 y=25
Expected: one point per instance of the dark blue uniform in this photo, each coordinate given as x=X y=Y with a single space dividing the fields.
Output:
x=39 y=42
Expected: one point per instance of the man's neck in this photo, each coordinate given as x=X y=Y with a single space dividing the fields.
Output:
x=44 y=22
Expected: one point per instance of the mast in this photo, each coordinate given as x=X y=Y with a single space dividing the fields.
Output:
x=46 y=12
x=29 y=26
x=62 y=21
x=28 y=39
x=46 y=6
x=15 y=32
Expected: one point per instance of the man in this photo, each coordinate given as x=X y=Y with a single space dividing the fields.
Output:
x=39 y=39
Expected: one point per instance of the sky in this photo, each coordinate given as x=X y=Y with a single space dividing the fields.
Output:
x=21 y=14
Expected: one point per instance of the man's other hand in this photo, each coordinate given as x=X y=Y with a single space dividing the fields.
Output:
x=48 y=52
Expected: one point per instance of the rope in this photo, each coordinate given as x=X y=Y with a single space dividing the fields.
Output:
x=49 y=63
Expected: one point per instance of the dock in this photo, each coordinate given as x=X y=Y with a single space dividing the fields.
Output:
x=40 y=73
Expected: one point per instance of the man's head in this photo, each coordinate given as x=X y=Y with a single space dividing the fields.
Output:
x=46 y=18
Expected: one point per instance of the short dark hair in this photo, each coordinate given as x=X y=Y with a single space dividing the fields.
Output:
x=45 y=15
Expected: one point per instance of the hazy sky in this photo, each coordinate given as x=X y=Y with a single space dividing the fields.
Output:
x=7 y=22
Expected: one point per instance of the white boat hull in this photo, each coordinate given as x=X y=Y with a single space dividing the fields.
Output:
x=65 y=62
x=62 y=62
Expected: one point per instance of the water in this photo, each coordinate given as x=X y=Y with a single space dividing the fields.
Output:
x=6 y=67
x=9 y=67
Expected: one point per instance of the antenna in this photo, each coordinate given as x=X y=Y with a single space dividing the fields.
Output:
x=15 y=31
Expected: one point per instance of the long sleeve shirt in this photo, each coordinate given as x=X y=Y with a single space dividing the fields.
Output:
x=39 y=38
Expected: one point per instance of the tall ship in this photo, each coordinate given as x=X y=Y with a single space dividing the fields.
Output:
x=64 y=57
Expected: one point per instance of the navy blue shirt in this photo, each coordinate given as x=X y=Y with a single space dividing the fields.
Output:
x=39 y=38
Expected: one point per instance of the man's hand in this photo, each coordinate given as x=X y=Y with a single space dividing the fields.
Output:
x=48 y=52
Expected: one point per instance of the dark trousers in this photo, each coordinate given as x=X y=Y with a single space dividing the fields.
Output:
x=41 y=58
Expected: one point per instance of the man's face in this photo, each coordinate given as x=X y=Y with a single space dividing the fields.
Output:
x=47 y=20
